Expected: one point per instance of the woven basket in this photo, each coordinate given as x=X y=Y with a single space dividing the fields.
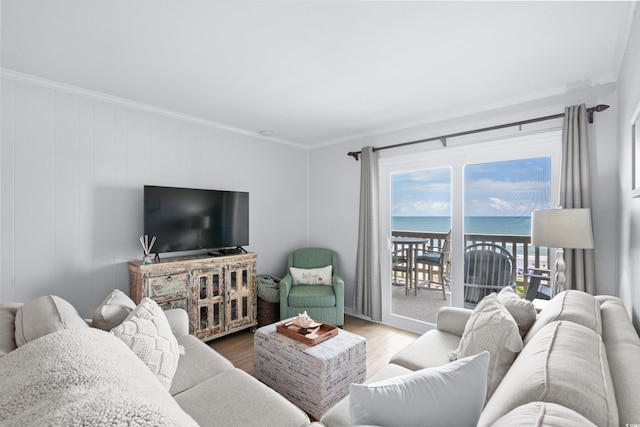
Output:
x=268 y=312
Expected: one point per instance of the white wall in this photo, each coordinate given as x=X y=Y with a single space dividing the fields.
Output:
x=333 y=208
x=629 y=89
x=72 y=171
x=334 y=177
x=73 y=167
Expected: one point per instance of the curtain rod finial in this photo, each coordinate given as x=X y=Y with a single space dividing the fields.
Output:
x=354 y=154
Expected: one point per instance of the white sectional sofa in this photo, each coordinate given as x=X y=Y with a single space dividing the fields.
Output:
x=579 y=366
x=75 y=375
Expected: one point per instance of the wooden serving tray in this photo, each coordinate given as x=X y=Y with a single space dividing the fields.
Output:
x=297 y=333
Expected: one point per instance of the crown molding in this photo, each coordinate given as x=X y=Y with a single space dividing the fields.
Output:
x=103 y=97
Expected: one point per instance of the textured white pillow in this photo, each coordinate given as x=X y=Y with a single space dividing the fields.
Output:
x=312 y=276
x=147 y=332
x=112 y=311
x=491 y=328
x=44 y=315
x=522 y=310
x=449 y=395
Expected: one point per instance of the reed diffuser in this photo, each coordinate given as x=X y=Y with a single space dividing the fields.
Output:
x=146 y=247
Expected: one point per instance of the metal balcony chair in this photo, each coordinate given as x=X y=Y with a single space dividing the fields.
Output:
x=536 y=288
x=439 y=259
x=399 y=264
x=487 y=268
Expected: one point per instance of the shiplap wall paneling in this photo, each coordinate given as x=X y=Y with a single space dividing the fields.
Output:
x=7 y=232
x=34 y=153
x=66 y=196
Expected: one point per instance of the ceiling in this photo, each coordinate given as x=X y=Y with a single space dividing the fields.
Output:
x=317 y=72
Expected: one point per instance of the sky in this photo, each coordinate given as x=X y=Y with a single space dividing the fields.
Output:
x=509 y=188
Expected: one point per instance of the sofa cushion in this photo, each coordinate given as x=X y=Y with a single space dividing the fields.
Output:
x=564 y=363
x=542 y=414
x=44 y=315
x=522 y=310
x=491 y=328
x=312 y=296
x=235 y=398
x=112 y=311
x=575 y=306
x=312 y=276
x=199 y=363
x=429 y=350
x=432 y=394
x=623 y=352
x=147 y=332
x=8 y=327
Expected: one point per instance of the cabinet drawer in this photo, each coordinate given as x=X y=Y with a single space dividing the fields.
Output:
x=168 y=284
x=171 y=304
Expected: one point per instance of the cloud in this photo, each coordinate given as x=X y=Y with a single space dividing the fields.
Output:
x=500 y=205
x=422 y=208
x=490 y=185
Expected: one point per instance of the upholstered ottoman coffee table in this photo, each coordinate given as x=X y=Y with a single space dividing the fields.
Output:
x=313 y=377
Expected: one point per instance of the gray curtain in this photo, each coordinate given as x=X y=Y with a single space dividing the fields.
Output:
x=575 y=192
x=368 y=293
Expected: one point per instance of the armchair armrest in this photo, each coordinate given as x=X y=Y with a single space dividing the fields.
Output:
x=338 y=289
x=337 y=280
x=178 y=320
x=453 y=320
x=285 y=287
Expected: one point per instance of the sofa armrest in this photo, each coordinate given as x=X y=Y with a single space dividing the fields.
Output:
x=178 y=320
x=453 y=320
x=7 y=327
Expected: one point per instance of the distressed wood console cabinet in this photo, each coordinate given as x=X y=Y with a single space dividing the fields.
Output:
x=218 y=293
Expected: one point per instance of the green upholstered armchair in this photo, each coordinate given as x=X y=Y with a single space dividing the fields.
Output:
x=322 y=303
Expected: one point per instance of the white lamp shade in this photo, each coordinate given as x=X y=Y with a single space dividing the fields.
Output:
x=562 y=228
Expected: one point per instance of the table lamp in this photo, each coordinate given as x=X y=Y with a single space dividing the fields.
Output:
x=561 y=229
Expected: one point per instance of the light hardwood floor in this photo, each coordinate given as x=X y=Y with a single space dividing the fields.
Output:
x=382 y=343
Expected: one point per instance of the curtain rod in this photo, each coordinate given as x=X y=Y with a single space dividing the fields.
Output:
x=443 y=139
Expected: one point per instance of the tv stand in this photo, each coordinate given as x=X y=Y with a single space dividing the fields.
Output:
x=219 y=294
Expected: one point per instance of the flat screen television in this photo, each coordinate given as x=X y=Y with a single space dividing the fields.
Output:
x=185 y=219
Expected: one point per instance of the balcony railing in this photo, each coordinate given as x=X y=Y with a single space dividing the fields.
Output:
x=529 y=259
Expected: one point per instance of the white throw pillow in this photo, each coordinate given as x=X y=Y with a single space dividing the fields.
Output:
x=449 y=395
x=522 y=310
x=44 y=315
x=312 y=276
x=147 y=332
x=112 y=311
x=491 y=328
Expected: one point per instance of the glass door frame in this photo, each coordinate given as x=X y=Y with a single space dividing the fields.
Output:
x=543 y=144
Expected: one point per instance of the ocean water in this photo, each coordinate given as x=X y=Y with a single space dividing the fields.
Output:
x=512 y=225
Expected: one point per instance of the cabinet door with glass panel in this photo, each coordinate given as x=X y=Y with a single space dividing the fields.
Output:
x=208 y=314
x=241 y=293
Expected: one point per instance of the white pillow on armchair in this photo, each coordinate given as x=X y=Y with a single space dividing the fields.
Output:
x=312 y=276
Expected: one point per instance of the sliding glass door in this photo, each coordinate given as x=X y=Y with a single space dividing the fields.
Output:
x=498 y=200
x=446 y=199
x=420 y=225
